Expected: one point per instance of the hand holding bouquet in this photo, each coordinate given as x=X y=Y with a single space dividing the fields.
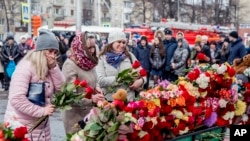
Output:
x=68 y=95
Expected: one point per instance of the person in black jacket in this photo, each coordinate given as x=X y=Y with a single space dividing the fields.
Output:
x=142 y=53
x=10 y=51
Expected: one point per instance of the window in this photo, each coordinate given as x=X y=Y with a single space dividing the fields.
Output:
x=72 y=1
x=127 y=4
x=57 y=11
x=72 y=12
x=1 y=21
x=65 y=12
x=127 y=17
x=2 y=37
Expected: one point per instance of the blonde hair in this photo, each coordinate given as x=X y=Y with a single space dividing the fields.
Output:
x=39 y=61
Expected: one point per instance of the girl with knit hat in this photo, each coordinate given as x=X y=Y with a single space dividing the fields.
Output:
x=38 y=65
x=113 y=59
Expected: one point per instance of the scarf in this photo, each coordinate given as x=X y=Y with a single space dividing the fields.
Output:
x=80 y=54
x=115 y=59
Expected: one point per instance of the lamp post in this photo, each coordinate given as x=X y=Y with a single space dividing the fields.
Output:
x=78 y=15
x=29 y=23
x=178 y=10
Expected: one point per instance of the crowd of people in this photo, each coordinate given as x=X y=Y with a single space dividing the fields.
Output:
x=168 y=57
x=80 y=58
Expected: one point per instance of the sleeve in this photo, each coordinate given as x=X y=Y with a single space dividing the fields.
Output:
x=242 y=51
x=134 y=59
x=18 y=93
x=103 y=80
x=135 y=52
x=184 y=57
x=3 y=52
x=57 y=77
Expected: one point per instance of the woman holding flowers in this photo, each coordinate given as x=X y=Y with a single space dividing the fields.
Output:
x=113 y=59
x=38 y=65
x=80 y=65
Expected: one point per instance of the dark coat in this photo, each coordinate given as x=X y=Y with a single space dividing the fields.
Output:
x=170 y=47
x=143 y=55
x=8 y=51
x=236 y=50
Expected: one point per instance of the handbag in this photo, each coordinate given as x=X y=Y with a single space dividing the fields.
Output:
x=36 y=93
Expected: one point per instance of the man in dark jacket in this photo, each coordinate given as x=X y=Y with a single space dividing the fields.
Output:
x=142 y=52
x=10 y=51
x=170 y=45
x=237 y=48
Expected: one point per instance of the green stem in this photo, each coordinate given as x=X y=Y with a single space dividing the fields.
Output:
x=39 y=122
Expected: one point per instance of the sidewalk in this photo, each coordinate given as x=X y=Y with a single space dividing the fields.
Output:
x=3 y=94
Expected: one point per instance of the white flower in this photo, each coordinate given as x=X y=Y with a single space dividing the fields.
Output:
x=215 y=66
x=184 y=131
x=222 y=103
x=228 y=115
x=221 y=69
x=202 y=81
x=244 y=118
x=247 y=72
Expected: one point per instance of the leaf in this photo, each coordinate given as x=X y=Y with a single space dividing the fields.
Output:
x=124 y=72
x=101 y=136
x=93 y=133
x=113 y=128
x=61 y=100
x=95 y=126
x=70 y=87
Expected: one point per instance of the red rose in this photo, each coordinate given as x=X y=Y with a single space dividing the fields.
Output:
x=193 y=75
x=201 y=56
x=20 y=132
x=221 y=122
x=143 y=72
x=89 y=91
x=77 y=82
x=134 y=135
x=136 y=64
x=25 y=139
x=147 y=126
x=83 y=83
x=231 y=71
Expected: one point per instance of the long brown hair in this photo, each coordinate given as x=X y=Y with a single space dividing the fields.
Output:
x=93 y=57
x=161 y=47
x=109 y=48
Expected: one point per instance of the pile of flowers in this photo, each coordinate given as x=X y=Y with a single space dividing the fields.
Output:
x=206 y=96
x=9 y=134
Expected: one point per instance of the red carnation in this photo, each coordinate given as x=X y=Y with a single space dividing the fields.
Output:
x=89 y=91
x=148 y=125
x=134 y=135
x=221 y=122
x=77 y=82
x=25 y=139
x=83 y=83
x=193 y=75
x=136 y=64
x=20 y=132
x=143 y=72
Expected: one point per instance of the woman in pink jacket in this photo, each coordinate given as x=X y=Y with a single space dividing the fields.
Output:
x=38 y=65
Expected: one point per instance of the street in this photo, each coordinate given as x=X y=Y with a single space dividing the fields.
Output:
x=57 y=129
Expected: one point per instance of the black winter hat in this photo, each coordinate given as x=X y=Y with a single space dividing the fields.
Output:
x=234 y=34
x=167 y=31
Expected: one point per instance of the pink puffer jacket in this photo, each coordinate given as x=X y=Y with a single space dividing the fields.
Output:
x=25 y=112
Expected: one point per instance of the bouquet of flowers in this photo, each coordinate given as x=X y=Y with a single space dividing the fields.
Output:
x=68 y=95
x=9 y=134
x=128 y=76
